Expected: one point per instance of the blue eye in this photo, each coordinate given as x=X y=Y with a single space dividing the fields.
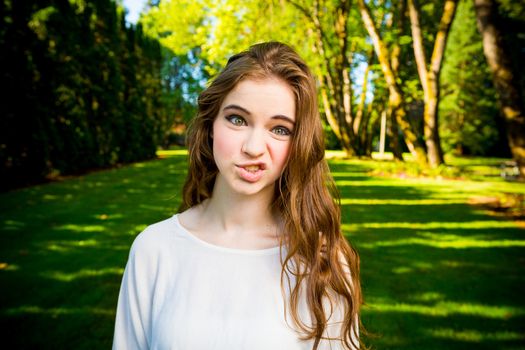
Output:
x=236 y=120
x=281 y=131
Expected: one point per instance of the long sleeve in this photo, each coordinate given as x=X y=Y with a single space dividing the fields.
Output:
x=133 y=320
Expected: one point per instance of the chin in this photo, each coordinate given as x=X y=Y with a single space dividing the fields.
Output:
x=248 y=189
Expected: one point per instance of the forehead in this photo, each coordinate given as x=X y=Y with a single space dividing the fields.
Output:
x=265 y=97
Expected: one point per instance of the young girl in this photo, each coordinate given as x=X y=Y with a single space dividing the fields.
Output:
x=256 y=259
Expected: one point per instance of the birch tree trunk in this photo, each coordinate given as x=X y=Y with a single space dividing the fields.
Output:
x=382 y=134
x=429 y=76
x=395 y=52
x=511 y=104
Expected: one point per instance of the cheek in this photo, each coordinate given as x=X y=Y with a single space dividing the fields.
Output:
x=280 y=153
x=224 y=143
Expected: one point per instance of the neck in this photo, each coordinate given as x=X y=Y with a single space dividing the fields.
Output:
x=234 y=211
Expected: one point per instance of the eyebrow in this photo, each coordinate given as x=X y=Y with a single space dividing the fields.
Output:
x=244 y=110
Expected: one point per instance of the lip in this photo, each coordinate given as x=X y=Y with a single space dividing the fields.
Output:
x=250 y=176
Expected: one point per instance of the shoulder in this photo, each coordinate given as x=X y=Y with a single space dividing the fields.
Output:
x=154 y=238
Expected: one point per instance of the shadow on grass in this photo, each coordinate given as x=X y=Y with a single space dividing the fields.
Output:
x=63 y=248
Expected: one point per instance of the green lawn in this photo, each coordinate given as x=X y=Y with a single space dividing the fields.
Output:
x=437 y=273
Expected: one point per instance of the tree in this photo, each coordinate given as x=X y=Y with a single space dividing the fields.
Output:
x=84 y=89
x=505 y=81
x=468 y=99
x=429 y=74
x=396 y=96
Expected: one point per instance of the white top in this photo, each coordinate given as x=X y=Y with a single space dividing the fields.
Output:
x=180 y=292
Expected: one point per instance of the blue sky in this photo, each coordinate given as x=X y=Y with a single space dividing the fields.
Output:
x=134 y=7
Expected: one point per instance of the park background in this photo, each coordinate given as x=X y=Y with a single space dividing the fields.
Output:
x=422 y=104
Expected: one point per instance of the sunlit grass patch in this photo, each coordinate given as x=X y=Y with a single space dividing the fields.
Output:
x=81 y=228
x=361 y=201
x=84 y=273
x=428 y=297
x=163 y=153
x=447 y=308
x=67 y=246
x=447 y=241
x=466 y=225
x=33 y=309
x=476 y=336
x=12 y=225
x=331 y=154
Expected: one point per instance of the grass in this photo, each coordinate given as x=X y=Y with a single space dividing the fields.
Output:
x=437 y=272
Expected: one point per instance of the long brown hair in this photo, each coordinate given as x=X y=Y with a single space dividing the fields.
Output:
x=320 y=265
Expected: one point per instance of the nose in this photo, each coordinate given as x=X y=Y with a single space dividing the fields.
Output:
x=254 y=145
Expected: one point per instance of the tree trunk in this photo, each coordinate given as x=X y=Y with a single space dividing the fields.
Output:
x=382 y=134
x=498 y=59
x=393 y=135
x=430 y=77
x=392 y=129
x=396 y=102
x=372 y=115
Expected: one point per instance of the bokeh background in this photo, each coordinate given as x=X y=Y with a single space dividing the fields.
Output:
x=423 y=108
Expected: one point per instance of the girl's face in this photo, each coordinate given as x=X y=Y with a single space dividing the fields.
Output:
x=252 y=135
